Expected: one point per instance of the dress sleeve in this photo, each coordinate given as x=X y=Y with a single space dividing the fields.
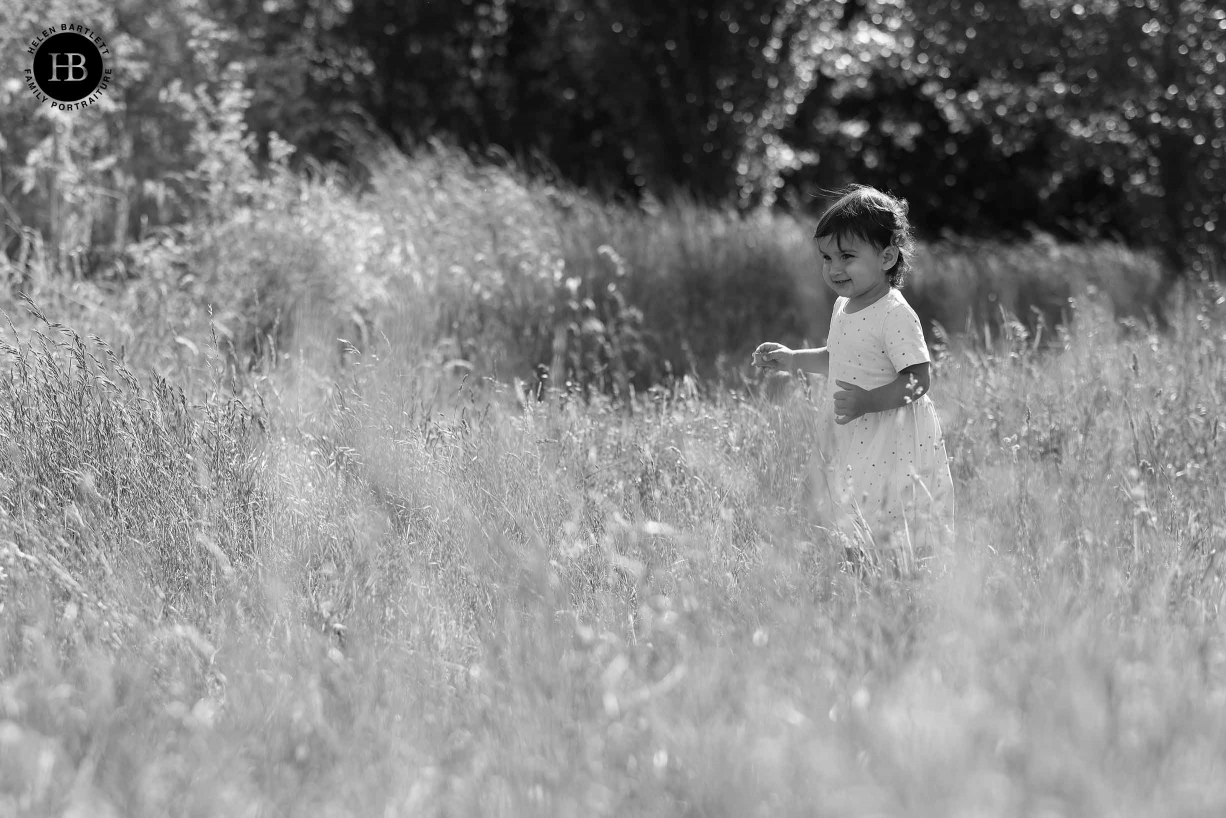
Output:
x=904 y=337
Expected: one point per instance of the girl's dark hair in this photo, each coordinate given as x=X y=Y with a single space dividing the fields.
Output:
x=866 y=213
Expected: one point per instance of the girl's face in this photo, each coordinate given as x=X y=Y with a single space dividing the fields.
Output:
x=854 y=268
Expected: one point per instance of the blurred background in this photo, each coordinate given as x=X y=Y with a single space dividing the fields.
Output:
x=1031 y=127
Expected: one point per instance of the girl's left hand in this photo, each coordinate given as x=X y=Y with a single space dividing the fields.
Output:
x=850 y=404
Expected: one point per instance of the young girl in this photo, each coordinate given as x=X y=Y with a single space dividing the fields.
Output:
x=887 y=477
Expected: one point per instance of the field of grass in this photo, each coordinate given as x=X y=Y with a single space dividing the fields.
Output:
x=352 y=581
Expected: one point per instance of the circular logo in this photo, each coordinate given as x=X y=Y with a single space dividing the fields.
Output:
x=68 y=67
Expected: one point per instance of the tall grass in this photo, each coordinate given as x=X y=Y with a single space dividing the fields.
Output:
x=452 y=260
x=358 y=583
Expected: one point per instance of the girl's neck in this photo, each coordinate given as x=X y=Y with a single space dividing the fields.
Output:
x=868 y=299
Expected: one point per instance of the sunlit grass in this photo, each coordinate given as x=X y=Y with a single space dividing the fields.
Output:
x=361 y=584
x=367 y=609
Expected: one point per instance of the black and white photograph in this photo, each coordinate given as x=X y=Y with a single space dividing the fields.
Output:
x=612 y=408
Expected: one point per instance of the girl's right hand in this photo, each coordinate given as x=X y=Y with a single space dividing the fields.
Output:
x=772 y=356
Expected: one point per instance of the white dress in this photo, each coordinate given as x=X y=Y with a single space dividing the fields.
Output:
x=887 y=481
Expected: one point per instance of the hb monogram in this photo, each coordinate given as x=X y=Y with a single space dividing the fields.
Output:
x=72 y=66
x=68 y=71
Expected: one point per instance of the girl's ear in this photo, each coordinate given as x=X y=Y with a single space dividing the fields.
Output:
x=888 y=257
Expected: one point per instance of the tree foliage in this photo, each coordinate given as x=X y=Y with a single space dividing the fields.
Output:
x=994 y=117
x=1076 y=117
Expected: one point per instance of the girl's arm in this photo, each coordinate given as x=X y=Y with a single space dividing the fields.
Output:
x=775 y=356
x=910 y=385
x=812 y=360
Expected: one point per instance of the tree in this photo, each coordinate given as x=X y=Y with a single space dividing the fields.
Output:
x=1080 y=116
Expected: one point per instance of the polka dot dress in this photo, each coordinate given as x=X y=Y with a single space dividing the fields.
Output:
x=887 y=472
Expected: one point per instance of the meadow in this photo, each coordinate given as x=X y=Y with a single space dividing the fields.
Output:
x=247 y=568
